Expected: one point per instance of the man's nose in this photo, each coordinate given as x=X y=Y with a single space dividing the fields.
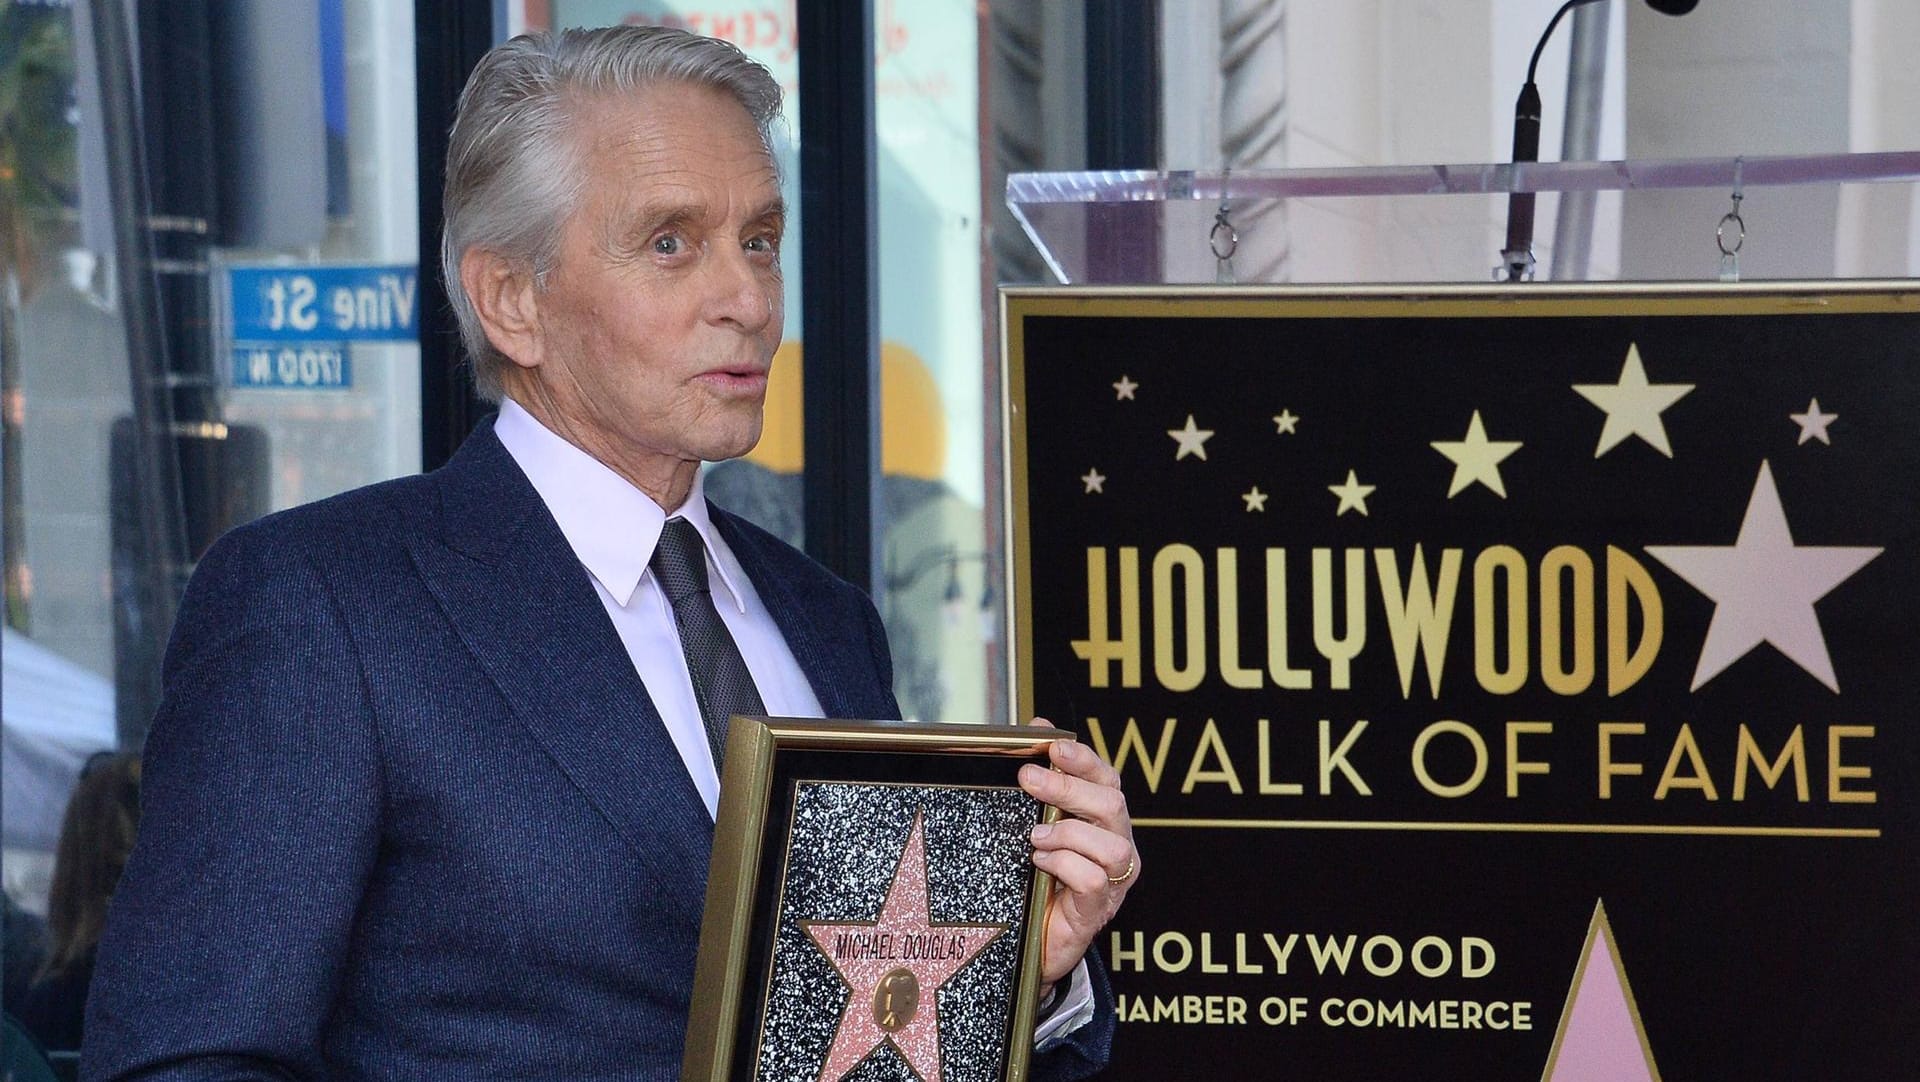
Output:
x=742 y=294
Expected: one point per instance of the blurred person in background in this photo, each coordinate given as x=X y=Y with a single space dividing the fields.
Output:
x=96 y=837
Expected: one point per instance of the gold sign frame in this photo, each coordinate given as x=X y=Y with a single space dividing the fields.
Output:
x=1548 y=873
x=759 y=756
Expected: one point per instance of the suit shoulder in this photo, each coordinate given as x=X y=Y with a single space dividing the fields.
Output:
x=351 y=544
x=350 y=523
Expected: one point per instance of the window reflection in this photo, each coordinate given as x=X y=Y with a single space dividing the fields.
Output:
x=160 y=160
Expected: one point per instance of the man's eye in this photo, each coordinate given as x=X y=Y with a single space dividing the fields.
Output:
x=668 y=244
x=763 y=244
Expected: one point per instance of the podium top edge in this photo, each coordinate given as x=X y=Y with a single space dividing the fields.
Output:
x=1485 y=178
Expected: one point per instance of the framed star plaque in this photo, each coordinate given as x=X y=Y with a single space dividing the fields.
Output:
x=872 y=908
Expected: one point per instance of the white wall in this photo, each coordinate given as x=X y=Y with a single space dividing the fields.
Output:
x=1756 y=77
x=1379 y=82
x=1878 y=234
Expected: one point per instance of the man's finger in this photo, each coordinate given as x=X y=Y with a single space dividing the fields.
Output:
x=1071 y=870
x=1099 y=804
x=1083 y=762
x=1104 y=848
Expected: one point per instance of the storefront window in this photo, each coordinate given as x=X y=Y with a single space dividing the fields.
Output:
x=211 y=313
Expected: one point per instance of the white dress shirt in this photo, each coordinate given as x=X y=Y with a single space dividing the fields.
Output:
x=613 y=528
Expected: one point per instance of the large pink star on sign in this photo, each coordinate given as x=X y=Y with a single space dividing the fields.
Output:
x=894 y=967
x=1764 y=587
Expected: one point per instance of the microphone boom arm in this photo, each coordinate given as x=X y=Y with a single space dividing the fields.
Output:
x=1517 y=257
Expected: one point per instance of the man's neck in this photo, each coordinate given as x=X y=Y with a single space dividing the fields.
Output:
x=666 y=480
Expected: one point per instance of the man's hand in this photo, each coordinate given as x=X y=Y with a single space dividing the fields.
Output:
x=1089 y=851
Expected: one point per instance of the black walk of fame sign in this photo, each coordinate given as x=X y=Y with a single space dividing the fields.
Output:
x=1506 y=684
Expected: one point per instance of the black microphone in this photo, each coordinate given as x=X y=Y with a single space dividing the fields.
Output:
x=1517 y=256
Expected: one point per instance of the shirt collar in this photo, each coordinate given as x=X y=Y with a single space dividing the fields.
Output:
x=611 y=526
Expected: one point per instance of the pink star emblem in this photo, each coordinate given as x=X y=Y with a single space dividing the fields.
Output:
x=894 y=967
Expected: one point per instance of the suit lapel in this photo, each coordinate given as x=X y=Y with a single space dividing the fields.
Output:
x=798 y=610
x=520 y=600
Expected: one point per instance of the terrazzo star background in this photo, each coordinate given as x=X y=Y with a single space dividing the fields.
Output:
x=1445 y=619
x=845 y=850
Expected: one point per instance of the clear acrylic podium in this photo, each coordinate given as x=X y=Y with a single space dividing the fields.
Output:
x=1805 y=217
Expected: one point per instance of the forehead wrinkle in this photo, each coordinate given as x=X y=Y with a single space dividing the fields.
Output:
x=647 y=213
x=773 y=207
x=642 y=136
x=643 y=169
x=668 y=198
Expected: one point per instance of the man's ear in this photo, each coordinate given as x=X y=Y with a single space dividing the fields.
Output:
x=504 y=296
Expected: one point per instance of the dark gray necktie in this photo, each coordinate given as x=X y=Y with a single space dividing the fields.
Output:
x=721 y=681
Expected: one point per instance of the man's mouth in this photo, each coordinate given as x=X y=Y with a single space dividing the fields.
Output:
x=744 y=378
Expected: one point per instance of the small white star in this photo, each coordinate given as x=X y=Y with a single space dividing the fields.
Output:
x=1763 y=588
x=1124 y=389
x=1353 y=495
x=1192 y=440
x=1813 y=424
x=1094 y=479
x=1633 y=405
x=1256 y=499
x=1283 y=423
x=1476 y=458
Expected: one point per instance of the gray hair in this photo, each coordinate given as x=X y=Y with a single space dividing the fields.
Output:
x=513 y=169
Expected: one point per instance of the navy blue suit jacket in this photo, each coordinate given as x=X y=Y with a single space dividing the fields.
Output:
x=410 y=814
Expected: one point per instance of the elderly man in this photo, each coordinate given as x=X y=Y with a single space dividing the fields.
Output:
x=430 y=795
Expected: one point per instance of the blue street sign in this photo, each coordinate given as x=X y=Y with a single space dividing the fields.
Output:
x=314 y=366
x=332 y=304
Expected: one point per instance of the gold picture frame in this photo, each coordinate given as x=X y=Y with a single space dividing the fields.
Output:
x=810 y=832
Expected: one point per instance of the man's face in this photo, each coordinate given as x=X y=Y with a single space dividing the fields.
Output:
x=658 y=321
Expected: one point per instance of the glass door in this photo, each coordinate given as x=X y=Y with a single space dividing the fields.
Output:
x=211 y=312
